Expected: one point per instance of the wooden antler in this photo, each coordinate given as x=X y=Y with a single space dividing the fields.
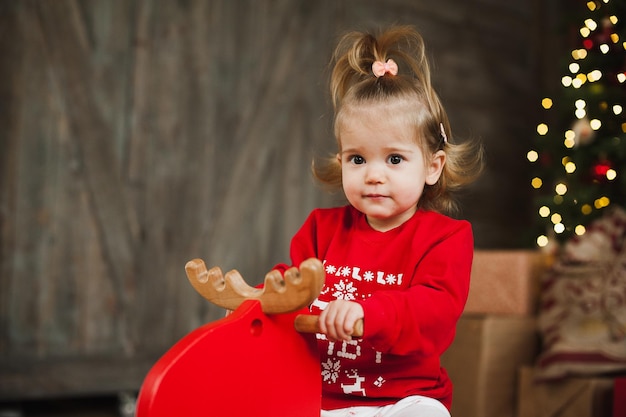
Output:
x=297 y=290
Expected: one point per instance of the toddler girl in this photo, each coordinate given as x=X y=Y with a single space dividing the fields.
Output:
x=392 y=256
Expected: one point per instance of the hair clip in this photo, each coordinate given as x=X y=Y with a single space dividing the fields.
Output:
x=380 y=68
x=444 y=137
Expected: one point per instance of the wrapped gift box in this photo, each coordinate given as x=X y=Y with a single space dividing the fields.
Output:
x=483 y=363
x=505 y=281
x=570 y=397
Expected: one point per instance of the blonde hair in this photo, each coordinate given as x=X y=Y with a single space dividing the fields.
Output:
x=354 y=85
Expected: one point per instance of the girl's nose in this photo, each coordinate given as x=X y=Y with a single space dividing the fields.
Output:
x=374 y=174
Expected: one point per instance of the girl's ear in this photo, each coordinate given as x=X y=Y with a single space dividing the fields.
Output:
x=338 y=156
x=435 y=167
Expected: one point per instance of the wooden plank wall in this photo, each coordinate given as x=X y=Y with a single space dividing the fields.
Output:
x=137 y=135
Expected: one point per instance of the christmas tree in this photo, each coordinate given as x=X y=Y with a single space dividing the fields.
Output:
x=579 y=155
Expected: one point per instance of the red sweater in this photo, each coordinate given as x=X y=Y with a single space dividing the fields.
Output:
x=412 y=282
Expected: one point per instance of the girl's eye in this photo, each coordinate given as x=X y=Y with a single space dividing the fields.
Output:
x=395 y=159
x=357 y=159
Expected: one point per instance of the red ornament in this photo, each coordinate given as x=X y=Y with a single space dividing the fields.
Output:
x=600 y=169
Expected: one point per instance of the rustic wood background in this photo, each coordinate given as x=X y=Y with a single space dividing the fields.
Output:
x=137 y=135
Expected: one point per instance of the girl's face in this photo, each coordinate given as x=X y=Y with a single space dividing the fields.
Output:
x=384 y=170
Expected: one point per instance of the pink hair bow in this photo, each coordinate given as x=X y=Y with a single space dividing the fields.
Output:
x=381 y=68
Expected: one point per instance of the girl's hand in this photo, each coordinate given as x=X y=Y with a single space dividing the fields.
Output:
x=338 y=319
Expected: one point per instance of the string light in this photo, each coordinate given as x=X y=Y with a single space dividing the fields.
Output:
x=611 y=174
x=594 y=76
x=542 y=241
x=601 y=202
x=567 y=81
x=542 y=129
x=595 y=124
x=570 y=139
x=579 y=80
x=591 y=24
x=536 y=183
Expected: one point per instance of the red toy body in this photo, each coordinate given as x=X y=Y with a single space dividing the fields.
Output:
x=247 y=364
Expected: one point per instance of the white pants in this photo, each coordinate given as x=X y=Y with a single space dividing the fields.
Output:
x=414 y=406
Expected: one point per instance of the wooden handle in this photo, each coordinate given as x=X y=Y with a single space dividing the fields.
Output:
x=307 y=323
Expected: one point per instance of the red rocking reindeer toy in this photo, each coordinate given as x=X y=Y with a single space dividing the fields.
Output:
x=254 y=362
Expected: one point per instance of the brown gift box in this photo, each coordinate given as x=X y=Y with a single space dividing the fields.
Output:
x=571 y=397
x=483 y=362
x=505 y=281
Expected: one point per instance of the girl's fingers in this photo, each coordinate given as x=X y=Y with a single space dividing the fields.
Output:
x=338 y=319
x=327 y=323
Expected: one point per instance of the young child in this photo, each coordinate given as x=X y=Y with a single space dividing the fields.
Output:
x=392 y=257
